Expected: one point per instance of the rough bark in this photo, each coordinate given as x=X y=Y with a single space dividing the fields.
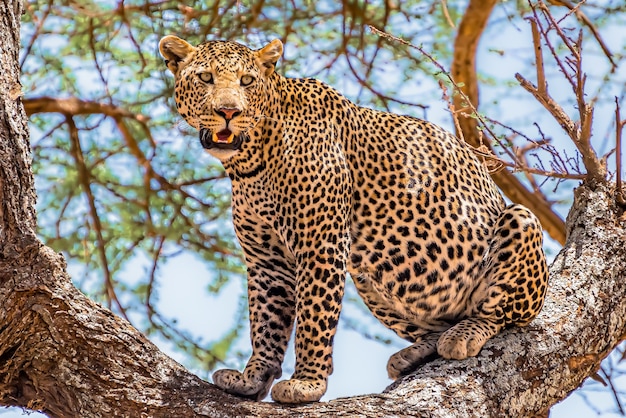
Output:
x=67 y=356
x=17 y=194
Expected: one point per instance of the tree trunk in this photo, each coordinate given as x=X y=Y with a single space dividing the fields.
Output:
x=68 y=357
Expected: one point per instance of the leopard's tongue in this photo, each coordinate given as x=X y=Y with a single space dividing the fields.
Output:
x=224 y=137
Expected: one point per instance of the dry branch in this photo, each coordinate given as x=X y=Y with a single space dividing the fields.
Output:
x=579 y=132
x=587 y=22
x=550 y=105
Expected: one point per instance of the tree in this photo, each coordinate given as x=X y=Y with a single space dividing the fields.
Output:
x=65 y=355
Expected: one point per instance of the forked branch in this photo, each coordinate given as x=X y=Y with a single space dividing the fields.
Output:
x=571 y=67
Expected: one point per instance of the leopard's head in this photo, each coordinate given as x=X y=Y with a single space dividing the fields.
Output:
x=221 y=88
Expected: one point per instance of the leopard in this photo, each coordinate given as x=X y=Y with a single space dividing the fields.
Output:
x=324 y=190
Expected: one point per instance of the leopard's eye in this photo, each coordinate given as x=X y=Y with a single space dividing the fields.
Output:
x=206 y=77
x=246 y=80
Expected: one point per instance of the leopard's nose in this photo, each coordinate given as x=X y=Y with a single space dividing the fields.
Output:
x=228 y=112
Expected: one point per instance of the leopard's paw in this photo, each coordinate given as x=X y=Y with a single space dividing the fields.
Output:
x=253 y=383
x=408 y=359
x=465 y=339
x=298 y=391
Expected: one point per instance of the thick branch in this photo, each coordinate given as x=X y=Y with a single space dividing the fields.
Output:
x=17 y=196
x=65 y=355
x=61 y=353
x=525 y=371
x=463 y=71
x=73 y=106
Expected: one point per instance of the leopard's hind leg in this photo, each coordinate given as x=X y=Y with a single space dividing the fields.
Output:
x=512 y=283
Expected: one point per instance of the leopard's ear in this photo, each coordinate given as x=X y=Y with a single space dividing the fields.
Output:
x=175 y=51
x=269 y=55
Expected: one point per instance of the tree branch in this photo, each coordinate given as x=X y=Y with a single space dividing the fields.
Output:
x=579 y=132
x=74 y=106
x=92 y=363
x=587 y=22
x=85 y=181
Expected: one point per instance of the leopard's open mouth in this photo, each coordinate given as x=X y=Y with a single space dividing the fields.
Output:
x=224 y=139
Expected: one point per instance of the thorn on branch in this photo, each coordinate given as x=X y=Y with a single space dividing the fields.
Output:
x=595 y=376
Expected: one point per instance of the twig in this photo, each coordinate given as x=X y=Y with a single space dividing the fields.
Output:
x=94 y=54
x=531 y=170
x=585 y=111
x=385 y=98
x=616 y=395
x=84 y=176
x=542 y=85
x=446 y=14
x=452 y=108
x=583 y=18
x=544 y=32
x=31 y=9
x=521 y=155
x=192 y=182
x=155 y=261
x=446 y=73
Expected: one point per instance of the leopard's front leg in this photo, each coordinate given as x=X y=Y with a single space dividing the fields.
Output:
x=271 y=299
x=319 y=291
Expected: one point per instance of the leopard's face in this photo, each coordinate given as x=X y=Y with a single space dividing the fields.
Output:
x=221 y=89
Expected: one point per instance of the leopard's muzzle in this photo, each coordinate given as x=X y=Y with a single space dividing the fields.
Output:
x=224 y=139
